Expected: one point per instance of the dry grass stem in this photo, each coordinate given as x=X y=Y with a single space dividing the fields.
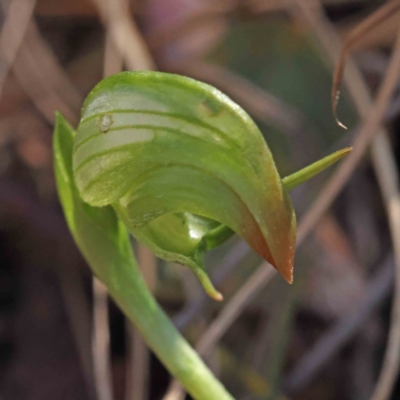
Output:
x=19 y=14
x=137 y=366
x=43 y=79
x=384 y=165
x=175 y=392
x=101 y=342
x=101 y=347
x=125 y=34
x=388 y=180
x=225 y=319
x=113 y=60
x=45 y=221
x=78 y=310
x=233 y=309
x=225 y=268
x=313 y=362
x=369 y=128
x=138 y=358
x=261 y=104
x=198 y=19
x=351 y=42
x=125 y=43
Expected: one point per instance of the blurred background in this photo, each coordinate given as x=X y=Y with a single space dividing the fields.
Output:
x=322 y=338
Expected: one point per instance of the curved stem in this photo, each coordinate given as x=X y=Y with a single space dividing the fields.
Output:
x=218 y=235
x=128 y=289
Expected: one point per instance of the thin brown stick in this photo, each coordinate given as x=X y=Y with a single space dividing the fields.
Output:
x=44 y=220
x=125 y=34
x=225 y=319
x=233 y=309
x=19 y=15
x=101 y=342
x=350 y=43
x=101 y=351
x=261 y=104
x=388 y=180
x=227 y=265
x=124 y=42
x=141 y=367
x=197 y=19
x=175 y=392
x=113 y=60
x=384 y=165
x=363 y=139
x=322 y=352
x=77 y=308
x=44 y=80
x=31 y=61
x=337 y=182
x=138 y=365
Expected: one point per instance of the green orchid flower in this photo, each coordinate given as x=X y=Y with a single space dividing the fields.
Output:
x=181 y=167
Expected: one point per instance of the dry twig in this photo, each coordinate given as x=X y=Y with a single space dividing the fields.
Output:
x=125 y=43
x=225 y=319
x=351 y=42
x=208 y=12
x=232 y=260
x=337 y=336
x=261 y=104
x=101 y=342
x=138 y=364
x=101 y=351
x=383 y=163
x=125 y=34
x=388 y=180
x=19 y=15
x=43 y=79
x=24 y=206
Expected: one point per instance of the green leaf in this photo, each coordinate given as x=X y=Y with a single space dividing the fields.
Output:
x=176 y=158
x=100 y=236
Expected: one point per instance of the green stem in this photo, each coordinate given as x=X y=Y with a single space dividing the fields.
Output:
x=131 y=293
x=218 y=235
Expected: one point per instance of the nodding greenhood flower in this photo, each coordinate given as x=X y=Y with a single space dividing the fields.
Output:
x=183 y=167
